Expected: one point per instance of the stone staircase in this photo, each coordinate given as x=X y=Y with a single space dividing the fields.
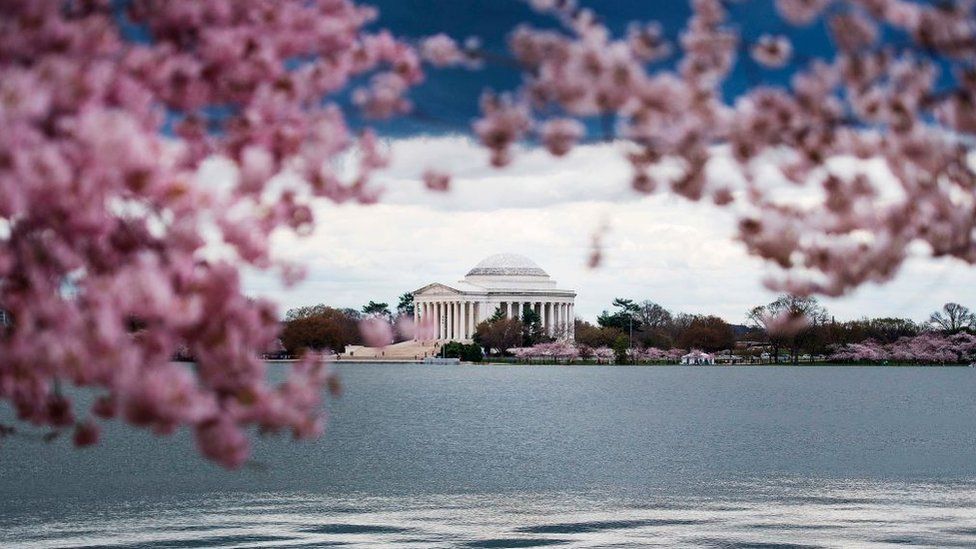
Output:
x=403 y=351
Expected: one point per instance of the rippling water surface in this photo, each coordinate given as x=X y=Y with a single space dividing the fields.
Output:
x=420 y=456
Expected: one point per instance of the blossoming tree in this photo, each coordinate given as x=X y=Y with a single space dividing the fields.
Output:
x=879 y=132
x=113 y=254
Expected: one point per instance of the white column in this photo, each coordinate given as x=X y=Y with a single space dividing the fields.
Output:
x=559 y=318
x=457 y=321
x=440 y=319
x=447 y=320
x=518 y=310
x=555 y=318
x=470 y=332
x=416 y=314
x=572 y=321
x=566 y=320
x=416 y=318
x=450 y=320
x=552 y=319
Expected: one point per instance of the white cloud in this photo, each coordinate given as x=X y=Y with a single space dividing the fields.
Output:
x=659 y=247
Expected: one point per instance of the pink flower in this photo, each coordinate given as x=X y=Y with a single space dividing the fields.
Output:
x=440 y=50
x=786 y=324
x=58 y=411
x=853 y=31
x=647 y=42
x=224 y=442
x=384 y=97
x=800 y=12
x=425 y=330
x=504 y=122
x=376 y=331
x=560 y=135
x=437 y=181
x=86 y=434
x=772 y=51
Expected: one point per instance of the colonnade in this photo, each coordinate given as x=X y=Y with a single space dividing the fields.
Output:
x=457 y=319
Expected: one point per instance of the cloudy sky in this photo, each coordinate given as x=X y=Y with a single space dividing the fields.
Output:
x=659 y=247
x=680 y=254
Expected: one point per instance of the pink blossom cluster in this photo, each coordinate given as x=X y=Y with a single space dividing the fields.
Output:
x=653 y=354
x=114 y=257
x=560 y=350
x=907 y=108
x=604 y=354
x=925 y=348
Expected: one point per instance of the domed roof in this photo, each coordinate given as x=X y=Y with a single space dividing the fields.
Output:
x=507 y=265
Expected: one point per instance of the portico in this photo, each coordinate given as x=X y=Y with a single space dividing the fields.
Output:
x=510 y=283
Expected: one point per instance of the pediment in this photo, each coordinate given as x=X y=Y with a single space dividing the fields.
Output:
x=436 y=289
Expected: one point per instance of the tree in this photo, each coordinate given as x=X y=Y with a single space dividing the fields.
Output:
x=847 y=98
x=623 y=318
x=318 y=328
x=110 y=108
x=790 y=321
x=463 y=351
x=499 y=335
x=532 y=330
x=708 y=333
x=405 y=305
x=115 y=107
x=591 y=336
x=499 y=314
x=953 y=318
x=621 y=349
x=655 y=325
x=377 y=309
x=652 y=315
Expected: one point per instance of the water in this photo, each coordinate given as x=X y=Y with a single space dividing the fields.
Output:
x=516 y=456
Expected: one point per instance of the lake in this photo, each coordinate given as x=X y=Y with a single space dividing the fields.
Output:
x=531 y=456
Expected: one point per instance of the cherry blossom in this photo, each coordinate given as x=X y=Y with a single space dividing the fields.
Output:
x=504 y=123
x=772 y=51
x=559 y=136
x=878 y=131
x=436 y=181
x=925 y=348
x=441 y=51
x=376 y=331
x=115 y=256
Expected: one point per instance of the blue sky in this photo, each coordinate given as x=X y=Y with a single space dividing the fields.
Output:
x=661 y=248
x=450 y=97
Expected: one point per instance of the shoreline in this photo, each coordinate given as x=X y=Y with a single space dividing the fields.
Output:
x=562 y=364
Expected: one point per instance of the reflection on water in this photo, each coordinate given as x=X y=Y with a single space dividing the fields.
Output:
x=524 y=456
x=744 y=514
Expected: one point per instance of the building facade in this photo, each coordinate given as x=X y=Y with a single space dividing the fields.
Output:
x=508 y=282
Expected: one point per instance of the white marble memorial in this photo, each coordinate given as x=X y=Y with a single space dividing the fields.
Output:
x=509 y=282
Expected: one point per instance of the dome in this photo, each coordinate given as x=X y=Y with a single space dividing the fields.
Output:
x=507 y=265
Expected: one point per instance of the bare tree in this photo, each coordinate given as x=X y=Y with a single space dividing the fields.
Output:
x=802 y=314
x=953 y=318
x=652 y=315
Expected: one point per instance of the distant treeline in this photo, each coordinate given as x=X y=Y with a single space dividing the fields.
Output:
x=784 y=330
